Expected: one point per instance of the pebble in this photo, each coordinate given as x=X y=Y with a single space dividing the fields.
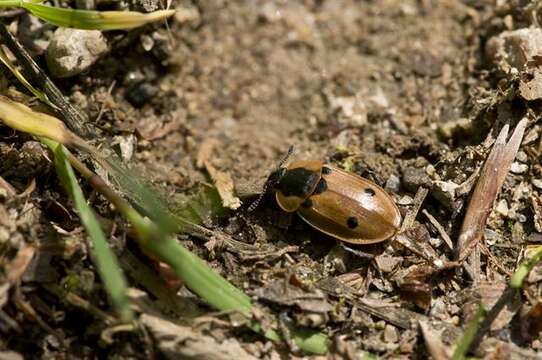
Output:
x=537 y=183
x=390 y=334
x=521 y=156
x=72 y=51
x=405 y=200
x=518 y=168
x=514 y=48
x=393 y=184
x=502 y=208
x=139 y=94
x=413 y=178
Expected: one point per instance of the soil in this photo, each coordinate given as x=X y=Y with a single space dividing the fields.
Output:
x=399 y=92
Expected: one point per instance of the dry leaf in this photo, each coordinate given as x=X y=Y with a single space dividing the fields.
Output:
x=182 y=342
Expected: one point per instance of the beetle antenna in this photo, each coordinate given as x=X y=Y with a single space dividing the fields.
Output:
x=286 y=157
x=256 y=202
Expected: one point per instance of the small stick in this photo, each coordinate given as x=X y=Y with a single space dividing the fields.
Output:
x=421 y=193
x=443 y=234
x=10 y=190
x=79 y=302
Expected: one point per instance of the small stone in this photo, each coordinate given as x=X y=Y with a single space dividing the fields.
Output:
x=502 y=208
x=537 y=183
x=405 y=200
x=390 y=334
x=444 y=191
x=72 y=51
x=521 y=156
x=146 y=42
x=518 y=168
x=432 y=172
x=393 y=184
x=413 y=178
x=139 y=94
x=515 y=48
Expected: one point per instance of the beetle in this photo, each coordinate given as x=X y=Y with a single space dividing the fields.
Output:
x=336 y=202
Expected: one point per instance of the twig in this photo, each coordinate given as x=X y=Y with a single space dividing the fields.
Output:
x=74 y=119
x=443 y=234
x=31 y=313
x=411 y=215
x=10 y=190
x=79 y=302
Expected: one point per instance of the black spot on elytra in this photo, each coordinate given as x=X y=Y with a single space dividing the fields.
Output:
x=370 y=192
x=326 y=170
x=297 y=182
x=307 y=203
x=320 y=187
x=352 y=222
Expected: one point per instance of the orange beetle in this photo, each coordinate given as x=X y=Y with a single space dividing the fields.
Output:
x=335 y=202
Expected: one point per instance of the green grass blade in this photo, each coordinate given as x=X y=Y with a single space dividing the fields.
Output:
x=516 y=282
x=199 y=277
x=93 y=20
x=469 y=334
x=106 y=262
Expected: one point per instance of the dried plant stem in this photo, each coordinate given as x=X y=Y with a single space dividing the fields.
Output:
x=487 y=188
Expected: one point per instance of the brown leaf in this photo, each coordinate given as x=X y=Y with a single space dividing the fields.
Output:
x=183 y=342
x=223 y=181
x=488 y=293
x=285 y=293
x=224 y=185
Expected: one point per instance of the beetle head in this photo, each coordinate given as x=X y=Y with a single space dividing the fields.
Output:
x=273 y=180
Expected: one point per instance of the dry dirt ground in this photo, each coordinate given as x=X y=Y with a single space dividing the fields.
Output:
x=400 y=92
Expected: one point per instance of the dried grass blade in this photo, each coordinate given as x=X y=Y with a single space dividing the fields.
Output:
x=487 y=188
x=94 y=20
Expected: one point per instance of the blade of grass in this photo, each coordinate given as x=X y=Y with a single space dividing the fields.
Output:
x=468 y=336
x=93 y=20
x=105 y=259
x=198 y=277
x=196 y=274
